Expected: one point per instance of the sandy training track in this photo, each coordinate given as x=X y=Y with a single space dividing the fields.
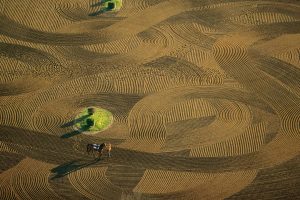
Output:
x=205 y=97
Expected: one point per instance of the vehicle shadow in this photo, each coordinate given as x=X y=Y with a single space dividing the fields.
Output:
x=69 y=167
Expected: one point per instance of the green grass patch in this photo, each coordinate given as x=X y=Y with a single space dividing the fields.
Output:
x=100 y=120
x=112 y=4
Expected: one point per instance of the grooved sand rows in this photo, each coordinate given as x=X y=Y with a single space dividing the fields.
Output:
x=204 y=94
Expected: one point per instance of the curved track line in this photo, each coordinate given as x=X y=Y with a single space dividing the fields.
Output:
x=195 y=185
x=94 y=188
x=30 y=183
x=285 y=103
x=124 y=28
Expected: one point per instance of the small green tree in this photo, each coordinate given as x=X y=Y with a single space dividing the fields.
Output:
x=91 y=111
x=89 y=123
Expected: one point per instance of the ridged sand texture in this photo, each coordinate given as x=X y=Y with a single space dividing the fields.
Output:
x=205 y=97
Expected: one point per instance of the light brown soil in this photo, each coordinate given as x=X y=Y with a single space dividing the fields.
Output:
x=205 y=97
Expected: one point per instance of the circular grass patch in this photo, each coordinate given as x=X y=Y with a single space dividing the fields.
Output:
x=93 y=119
x=111 y=5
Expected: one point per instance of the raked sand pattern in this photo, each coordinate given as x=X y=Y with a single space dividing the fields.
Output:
x=205 y=97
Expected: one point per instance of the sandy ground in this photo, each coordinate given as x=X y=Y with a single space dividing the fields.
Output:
x=205 y=97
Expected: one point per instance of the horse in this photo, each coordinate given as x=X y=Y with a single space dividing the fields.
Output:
x=95 y=148
x=99 y=148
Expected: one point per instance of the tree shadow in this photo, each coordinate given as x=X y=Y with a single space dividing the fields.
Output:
x=98 y=4
x=102 y=10
x=73 y=122
x=69 y=167
x=71 y=134
x=77 y=132
x=89 y=124
x=101 y=2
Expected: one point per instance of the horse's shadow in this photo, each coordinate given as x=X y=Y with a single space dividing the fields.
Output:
x=69 y=167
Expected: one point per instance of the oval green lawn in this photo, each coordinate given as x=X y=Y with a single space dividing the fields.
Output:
x=117 y=4
x=102 y=120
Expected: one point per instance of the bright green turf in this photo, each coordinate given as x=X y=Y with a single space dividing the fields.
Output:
x=102 y=120
x=118 y=4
